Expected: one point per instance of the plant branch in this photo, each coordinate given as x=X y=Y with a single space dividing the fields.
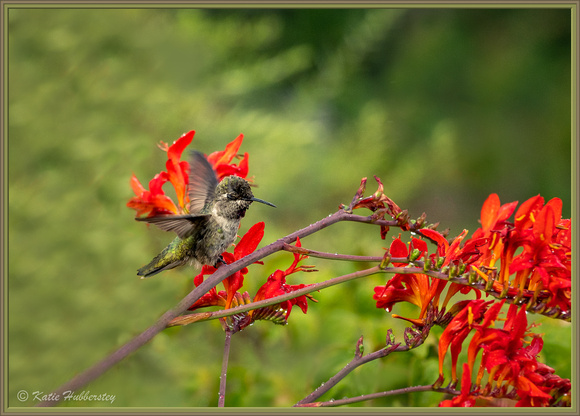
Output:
x=224 y=373
x=364 y=397
x=357 y=361
x=206 y=316
x=336 y=256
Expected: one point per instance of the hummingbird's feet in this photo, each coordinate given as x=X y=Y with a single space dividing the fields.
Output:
x=219 y=260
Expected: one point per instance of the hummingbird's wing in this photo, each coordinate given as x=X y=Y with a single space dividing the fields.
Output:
x=202 y=182
x=182 y=225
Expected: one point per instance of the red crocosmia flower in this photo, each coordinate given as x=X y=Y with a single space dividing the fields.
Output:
x=418 y=289
x=465 y=399
x=509 y=359
x=494 y=215
x=468 y=254
x=545 y=262
x=276 y=286
x=493 y=225
x=542 y=234
x=456 y=332
x=177 y=170
x=221 y=160
x=154 y=202
x=248 y=244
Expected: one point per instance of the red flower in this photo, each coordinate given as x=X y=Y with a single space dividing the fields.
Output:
x=538 y=230
x=276 y=286
x=512 y=367
x=456 y=332
x=154 y=202
x=221 y=160
x=465 y=399
x=418 y=289
x=546 y=258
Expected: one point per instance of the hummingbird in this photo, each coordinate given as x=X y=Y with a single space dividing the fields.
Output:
x=215 y=211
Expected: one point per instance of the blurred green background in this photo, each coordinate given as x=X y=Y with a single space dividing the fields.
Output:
x=445 y=105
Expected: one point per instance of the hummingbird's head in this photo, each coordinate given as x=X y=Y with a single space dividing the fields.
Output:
x=233 y=197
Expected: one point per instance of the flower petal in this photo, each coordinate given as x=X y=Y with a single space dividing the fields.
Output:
x=250 y=240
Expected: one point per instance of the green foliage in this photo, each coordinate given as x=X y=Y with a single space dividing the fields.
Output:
x=445 y=105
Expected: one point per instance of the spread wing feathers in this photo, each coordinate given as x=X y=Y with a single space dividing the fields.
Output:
x=182 y=225
x=202 y=182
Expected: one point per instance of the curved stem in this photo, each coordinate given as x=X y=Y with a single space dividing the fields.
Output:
x=336 y=256
x=206 y=316
x=364 y=397
x=224 y=373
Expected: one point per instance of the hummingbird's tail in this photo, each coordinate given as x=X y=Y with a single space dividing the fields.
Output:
x=151 y=269
x=163 y=261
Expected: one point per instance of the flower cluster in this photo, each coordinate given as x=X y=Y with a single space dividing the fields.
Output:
x=512 y=369
x=540 y=274
x=542 y=271
x=544 y=265
x=154 y=201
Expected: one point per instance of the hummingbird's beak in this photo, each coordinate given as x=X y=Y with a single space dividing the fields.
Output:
x=262 y=201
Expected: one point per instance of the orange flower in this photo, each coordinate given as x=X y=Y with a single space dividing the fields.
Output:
x=222 y=160
x=545 y=238
x=419 y=289
x=465 y=399
x=154 y=202
x=511 y=364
